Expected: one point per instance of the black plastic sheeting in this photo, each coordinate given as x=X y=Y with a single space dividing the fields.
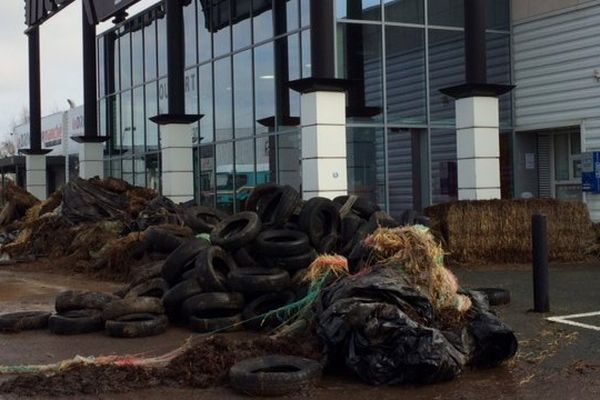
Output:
x=381 y=327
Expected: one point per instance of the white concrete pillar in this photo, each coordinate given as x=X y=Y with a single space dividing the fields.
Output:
x=324 y=169
x=35 y=172
x=478 y=148
x=91 y=160
x=177 y=162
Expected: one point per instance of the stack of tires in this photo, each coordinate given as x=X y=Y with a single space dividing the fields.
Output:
x=78 y=312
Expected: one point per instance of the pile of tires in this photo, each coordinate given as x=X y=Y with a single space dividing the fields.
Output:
x=78 y=312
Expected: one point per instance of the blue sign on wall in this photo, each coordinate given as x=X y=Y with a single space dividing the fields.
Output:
x=590 y=172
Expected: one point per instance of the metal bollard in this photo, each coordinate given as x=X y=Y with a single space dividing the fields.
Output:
x=541 y=284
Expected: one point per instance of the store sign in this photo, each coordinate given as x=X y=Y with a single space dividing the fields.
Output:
x=105 y=9
x=39 y=11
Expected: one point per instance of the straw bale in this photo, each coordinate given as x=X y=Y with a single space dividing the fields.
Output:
x=499 y=231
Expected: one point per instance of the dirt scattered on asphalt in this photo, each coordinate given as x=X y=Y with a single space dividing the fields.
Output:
x=204 y=365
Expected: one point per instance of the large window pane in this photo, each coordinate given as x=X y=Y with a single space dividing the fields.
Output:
x=305 y=12
x=243 y=104
x=206 y=103
x=266 y=159
x=126 y=121
x=189 y=24
x=116 y=65
x=162 y=45
x=150 y=49
x=405 y=75
x=409 y=11
x=360 y=60
x=223 y=101
x=294 y=72
x=264 y=86
x=242 y=33
x=225 y=178
x=446 y=69
x=137 y=60
x=359 y=9
x=292 y=14
x=446 y=12
x=444 y=178
x=206 y=179
x=139 y=171
x=114 y=121
x=263 y=20
x=151 y=111
x=306 y=56
x=366 y=163
x=191 y=91
x=204 y=32
x=138 y=125
x=125 y=47
x=221 y=26
x=245 y=175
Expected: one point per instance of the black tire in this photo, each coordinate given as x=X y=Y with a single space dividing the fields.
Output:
x=138 y=305
x=328 y=244
x=236 y=231
x=258 y=280
x=282 y=243
x=319 y=219
x=495 y=296
x=179 y=293
x=362 y=207
x=179 y=261
x=162 y=241
x=137 y=325
x=189 y=274
x=156 y=287
x=145 y=273
x=261 y=195
x=213 y=266
x=381 y=219
x=216 y=325
x=202 y=219
x=78 y=299
x=262 y=305
x=213 y=305
x=244 y=258
x=76 y=322
x=280 y=207
x=23 y=321
x=293 y=263
x=274 y=375
x=348 y=227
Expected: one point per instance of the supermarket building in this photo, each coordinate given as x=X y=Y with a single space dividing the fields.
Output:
x=382 y=112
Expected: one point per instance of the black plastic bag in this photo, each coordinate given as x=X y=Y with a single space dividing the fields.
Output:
x=381 y=327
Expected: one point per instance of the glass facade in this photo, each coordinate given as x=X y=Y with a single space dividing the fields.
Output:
x=239 y=57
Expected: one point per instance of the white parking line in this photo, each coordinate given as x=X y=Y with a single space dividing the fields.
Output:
x=566 y=319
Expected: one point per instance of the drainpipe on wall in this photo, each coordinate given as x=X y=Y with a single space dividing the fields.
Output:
x=323 y=111
x=177 y=159
x=477 y=114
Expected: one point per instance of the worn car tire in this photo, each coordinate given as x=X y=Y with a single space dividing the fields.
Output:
x=213 y=266
x=202 y=219
x=319 y=219
x=495 y=296
x=261 y=195
x=236 y=231
x=213 y=305
x=162 y=241
x=137 y=325
x=180 y=260
x=282 y=243
x=244 y=258
x=79 y=299
x=23 y=321
x=274 y=375
x=280 y=207
x=364 y=208
x=254 y=313
x=258 y=280
x=179 y=293
x=75 y=322
x=292 y=263
x=156 y=287
x=216 y=325
x=134 y=305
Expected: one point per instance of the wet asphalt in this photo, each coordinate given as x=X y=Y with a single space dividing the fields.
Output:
x=555 y=361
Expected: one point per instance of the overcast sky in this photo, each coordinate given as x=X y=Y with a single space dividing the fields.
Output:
x=61 y=59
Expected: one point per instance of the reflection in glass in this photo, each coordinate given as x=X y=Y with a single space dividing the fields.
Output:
x=190 y=87
x=293 y=17
x=116 y=81
x=139 y=171
x=126 y=121
x=151 y=111
x=115 y=168
x=446 y=12
x=408 y=11
x=359 y=9
x=366 y=163
x=127 y=174
x=242 y=97
x=189 y=25
x=263 y=20
x=360 y=60
x=242 y=33
x=137 y=56
x=444 y=178
x=221 y=27
x=114 y=120
x=223 y=102
x=294 y=72
x=125 y=48
x=138 y=120
x=245 y=177
x=266 y=156
x=101 y=68
x=305 y=12
x=206 y=176
x=162 y=43
x=204 y=33
x=224 y=177
x=405 y=75
x=306 y=56
x=206 y=103
x=446 y=69
x=264 y=86
x=163 y=96
x=150 y=49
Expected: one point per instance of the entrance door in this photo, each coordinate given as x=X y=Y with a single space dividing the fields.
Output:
x=567 y=164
